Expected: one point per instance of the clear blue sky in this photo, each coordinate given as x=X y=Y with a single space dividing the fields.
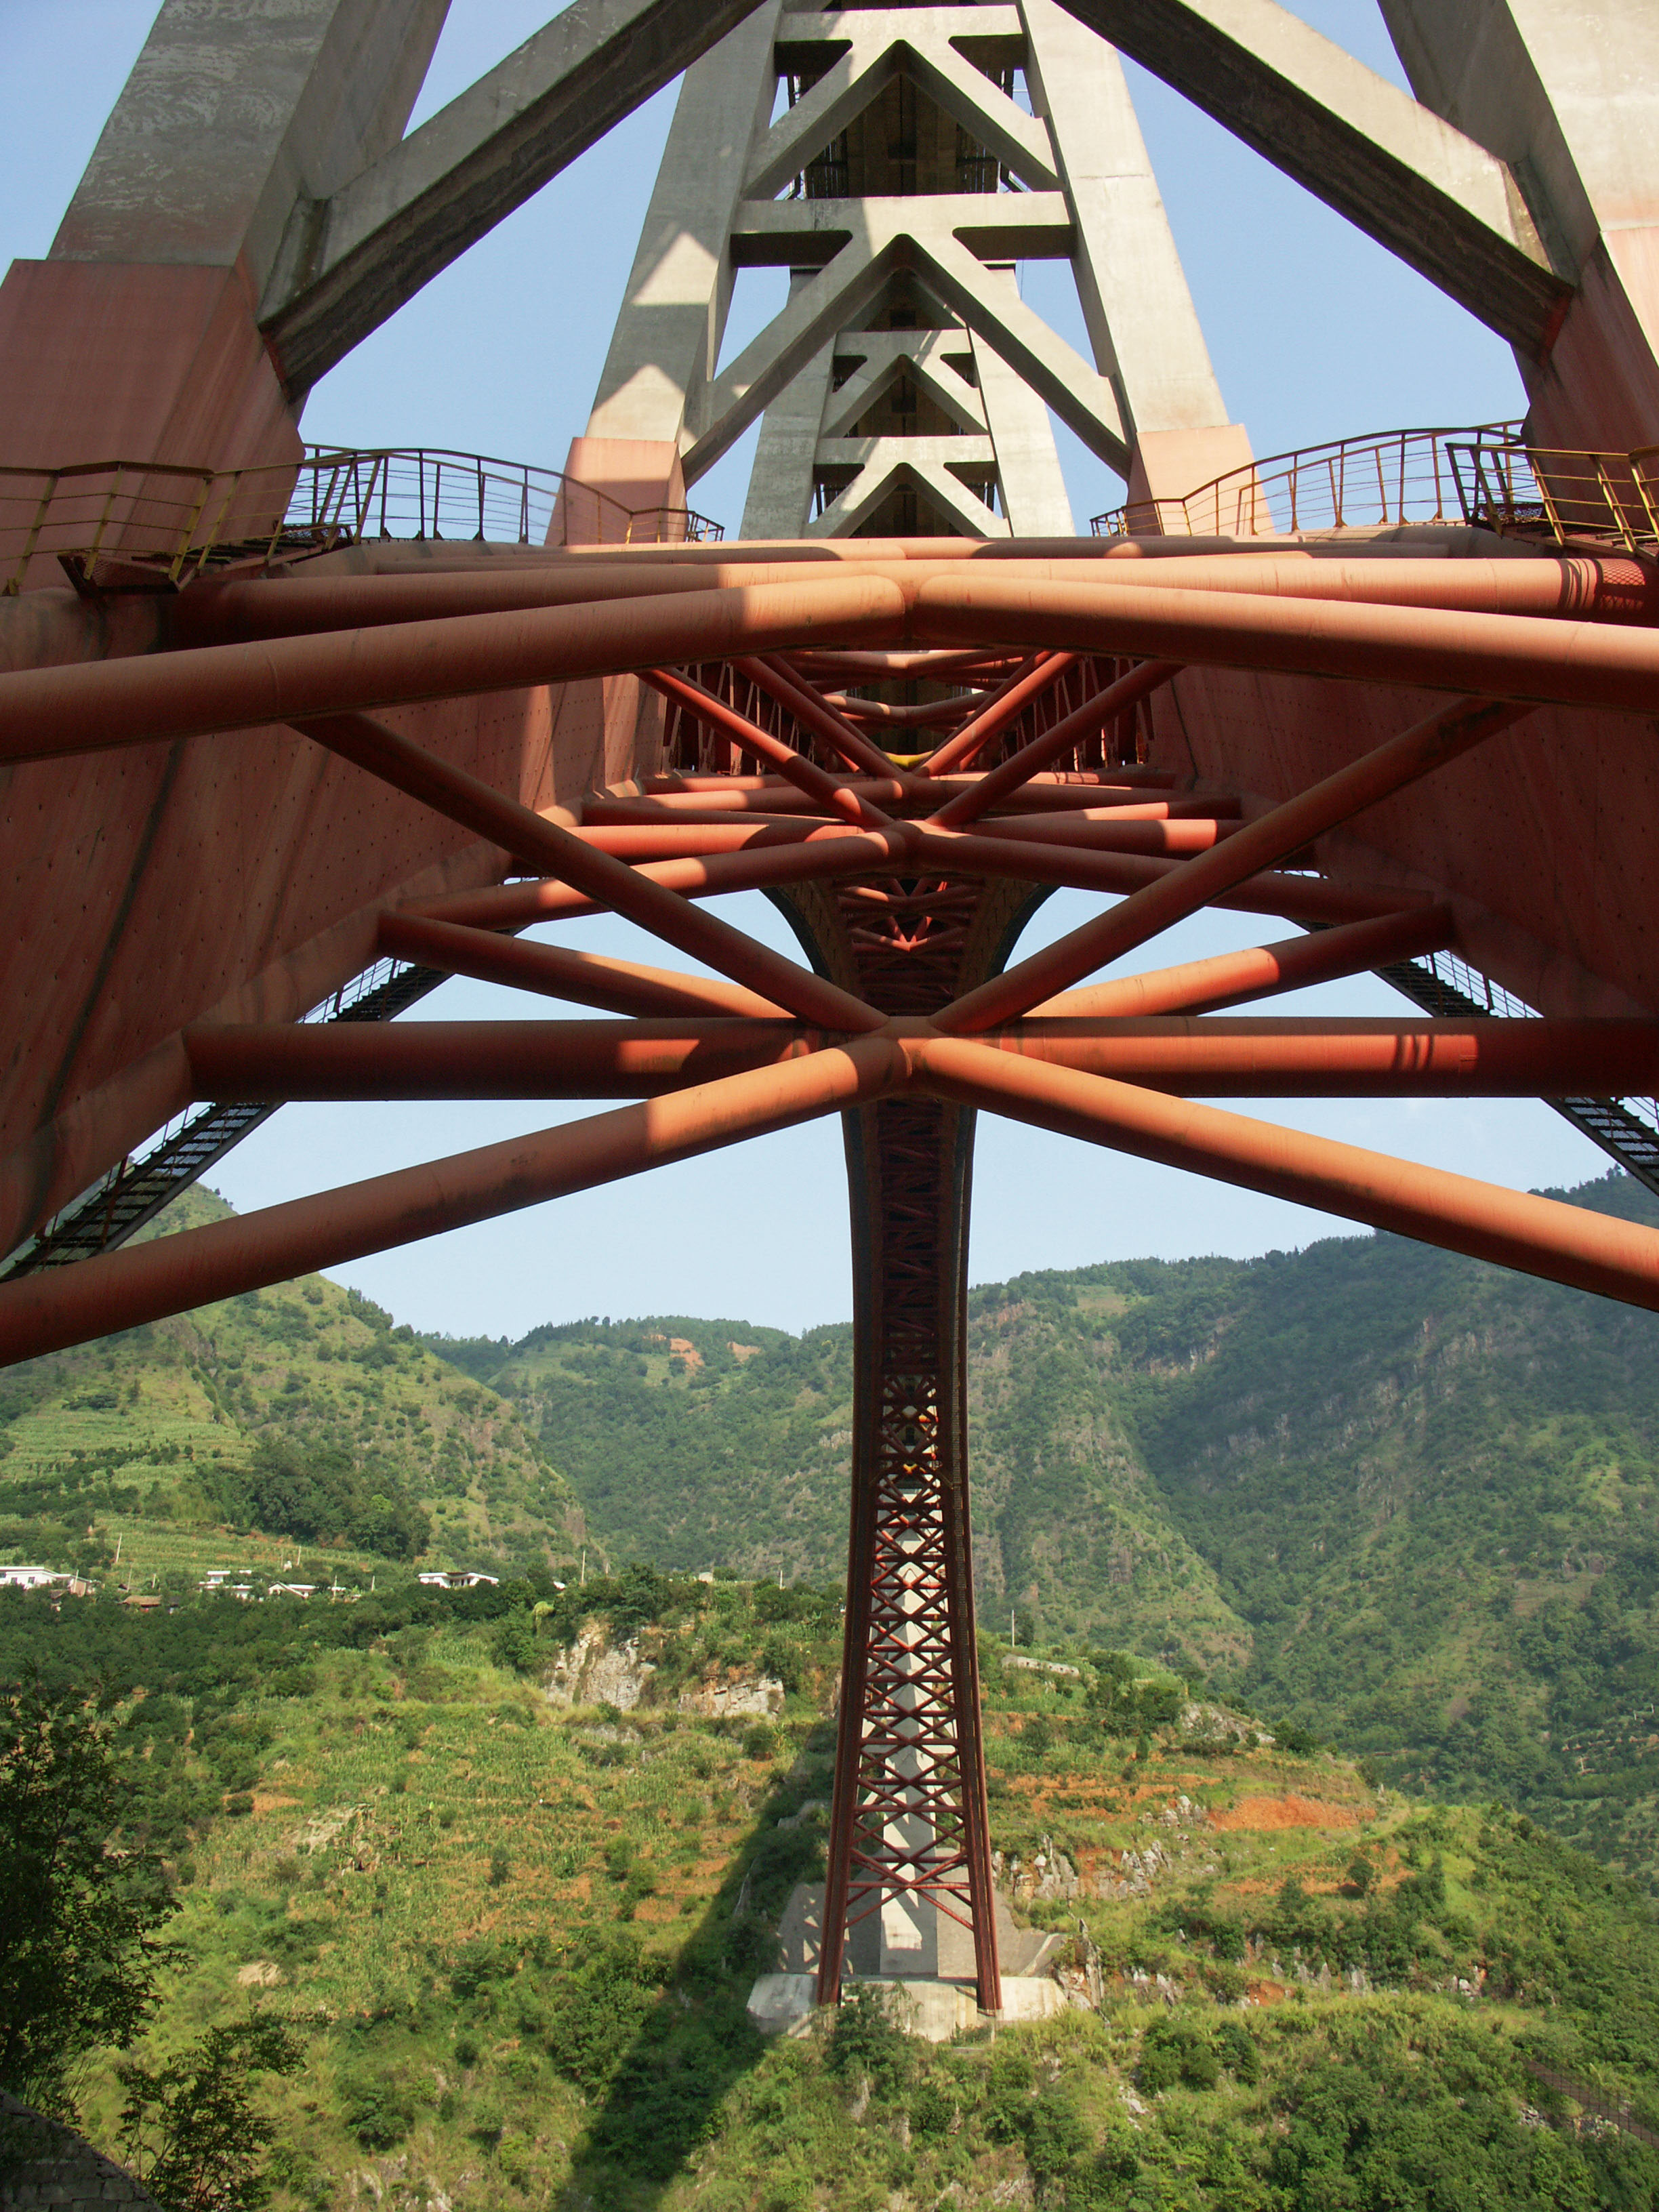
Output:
x=1314 y=334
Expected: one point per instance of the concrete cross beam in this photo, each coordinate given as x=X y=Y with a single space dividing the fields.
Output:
x=926 y=465
x=880 y=238
x=925 y=357
x=877 y=46
x=1443 y=203
x=998 y=225
x=350 y=261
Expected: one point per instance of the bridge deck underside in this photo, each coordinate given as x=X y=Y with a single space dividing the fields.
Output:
x=272 y=783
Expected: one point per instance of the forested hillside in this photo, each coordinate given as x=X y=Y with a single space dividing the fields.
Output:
x=1392 y=1497
x=498 y=1947
x=1387 y=1494
x=298 y=1421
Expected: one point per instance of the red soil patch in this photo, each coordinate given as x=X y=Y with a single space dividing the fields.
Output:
x=1265 y=1993
x=1264 y=1812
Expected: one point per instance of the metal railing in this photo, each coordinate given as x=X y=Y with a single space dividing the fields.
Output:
x=1487 y=475
x=1399 y=476
x=154 y=525
x=422 y=492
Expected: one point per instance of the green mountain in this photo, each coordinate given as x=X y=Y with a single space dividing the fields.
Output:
x=1380 y=1493
x=1379 y=1490
x=290 y=1428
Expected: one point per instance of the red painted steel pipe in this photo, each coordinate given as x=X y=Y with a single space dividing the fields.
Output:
x=1094 y=833
x=1576 y=587
x=711 y=804
x=930 y=714
x=1296 y=898
x=1029 y=815
x=1309 y=1057
x=1211 y=1057
x=529 y=836
x=741 y=794
x=769 y=863
x=1575 y=664
x=605 y=814
x=59 y=1306
x=760 y=866
x=1046 y=793
x=587 y=978
x=878 y=668
x=207 y=613
x=1591 y=587
x=481 y=1060
x=1538 y=1236
x=780 y=683
x=1233 y=978
x=809 y=779
x=1263 y=843
x=1028 y=682
x=88 y=707
x=1090 y=719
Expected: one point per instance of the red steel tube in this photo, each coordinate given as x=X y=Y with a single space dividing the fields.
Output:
x=1578 y=586
x=929 y=714
x=1598 y=588
x=1538 y=1236
x=877 y=667
x=807 y=777
x=528 y=836
x=1259 y=844
x=779 y=681
x=739 y=796
x=59 y=1306
x=1089 y=720
x=1005 y=706
x=1291 y=1057
x=1575 y=664
x=481 y=1060
x=207 y=613
x=830 y=854
x=88 y=707
x=1211 y=1057
x=776 y=804
x=1096 y=833
x=587 y=978
x=760 y=868
x=1233 y=978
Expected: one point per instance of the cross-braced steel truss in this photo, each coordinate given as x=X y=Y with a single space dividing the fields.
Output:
x=1023 y=693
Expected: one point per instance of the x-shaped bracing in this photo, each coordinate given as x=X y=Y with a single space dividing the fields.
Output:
x=995 y=793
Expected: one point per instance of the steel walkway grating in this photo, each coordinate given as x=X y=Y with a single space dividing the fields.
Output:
x=137 y=1191
x=1610 y=1122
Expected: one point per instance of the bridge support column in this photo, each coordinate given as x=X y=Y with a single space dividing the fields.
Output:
x=909 y=1889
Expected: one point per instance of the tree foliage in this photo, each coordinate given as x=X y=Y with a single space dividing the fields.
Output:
x=190 y=2128
x=78 y=1957
x=318 y=1493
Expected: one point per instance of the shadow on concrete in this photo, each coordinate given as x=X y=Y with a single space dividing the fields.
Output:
x=696 y=2042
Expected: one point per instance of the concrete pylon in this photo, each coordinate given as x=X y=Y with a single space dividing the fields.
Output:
x=921 y=154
